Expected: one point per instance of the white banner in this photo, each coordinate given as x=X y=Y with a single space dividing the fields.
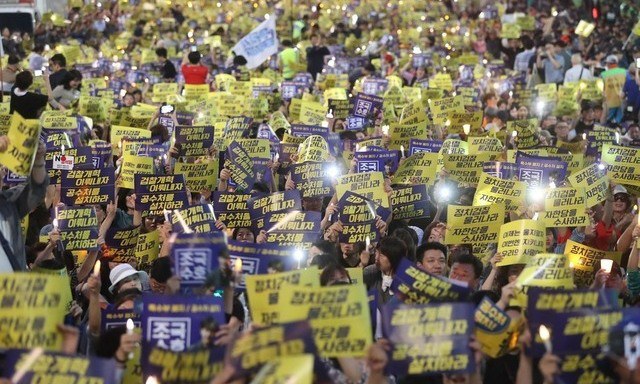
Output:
x=259 y=44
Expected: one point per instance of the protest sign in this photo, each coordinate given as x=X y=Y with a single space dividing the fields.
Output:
x=622 y=164
x=173 y=347
x=466 y=168
x=314 y=179
x=369 y=185
x=358 y=217
x=496 y=332
x=199 y=176
x=58 y=120
x=474 y=225
x=119 y=133
x=484 y=144
x=414 y=286
x=595 y=182
x=23 y=144
x=418 y=145
x=155 y=194
x=419 y=168
x=196 y=256
x=196 y=218
x=376 y=161
x=293 y=229
x=520 y=240
x=565 y=207
x=281 y=369
x=34 y=305
x=339 y=317
x=147 y=249
x=259 y=44
x=131 y=166
x=53 y=367
x=493 y=190
x=537 y=171
x=260 y=206
x=231 y=209
x=240 y=164
x=546 y=270
x=264 y=290
x=78 y=228
x=260 y=259
x=193 y=141
x=526 y=132
x=87 y=187
x=585 y=261
x=121 y=245
x=429 y=338
x=410 y=202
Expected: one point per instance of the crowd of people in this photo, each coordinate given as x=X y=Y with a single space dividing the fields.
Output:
x=415 y=76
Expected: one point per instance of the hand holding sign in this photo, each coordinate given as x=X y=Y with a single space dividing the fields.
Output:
x=4 y=143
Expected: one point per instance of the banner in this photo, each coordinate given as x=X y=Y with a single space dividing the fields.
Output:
x=87 y=187
x=595 y=182
x=474 y=225
x=339 y=317
x=429 y=339
x=314 y=179
x=193 y=141
x=231 y=208
x=261 y=205
x=585 y=261
x=155 y=194
x=23 y=144
x=33 y=306
x=60 y=368
x=78 y=228
x=121 y=245
x=493 y=190
x=261 y=259
x=259 y=44
x=565 y=207
x=195 y=256
x=622 y=164
x=199 y=176
x=520 y=240
x=263 y=292
x=369 y=185
x=178 y=337
x=412 y=285
x=410 y=202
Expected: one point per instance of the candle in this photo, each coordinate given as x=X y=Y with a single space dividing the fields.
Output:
x=402 y=151
x=130 y=326
x=545 y=336
x=96 y=269
x=466 y=128
x=55 y=223
x=151 y=380
x=62 y=149
x=166 y=215
x=535 y=216
x=385 y=130
x=237 y=268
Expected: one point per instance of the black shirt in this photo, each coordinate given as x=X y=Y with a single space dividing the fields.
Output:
x=168 y=70
x=27 y=105
x=56 y=78
x=315 y=59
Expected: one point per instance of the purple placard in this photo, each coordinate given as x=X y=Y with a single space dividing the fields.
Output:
x=418 y=145
x=195 y=257
x=85 y=187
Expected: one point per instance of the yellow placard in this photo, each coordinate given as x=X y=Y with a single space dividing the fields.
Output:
x=584 y=28
x=196 y=91
x=441 y=81
x=565 y=207
x=547 y=270
x=585 y=260
x=520 y=240
x=443 y=109
x=264 y=290
x=132 y=165
x=367 y=184
x=622 y=164
x=23 y=137
x=312 y=113
x=511 y=31
x=147 y=249
x=284 y=369
x=492 y=190
x=484 y=145
x=319 y=305
x=495 y=330
x=474 y=225
x=420 y=168
x=313 y=148
x=58 y=120
x=162 y=90
x=467 y=168
x=200 y=176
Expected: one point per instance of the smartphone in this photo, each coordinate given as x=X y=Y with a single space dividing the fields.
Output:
x=194 y=48
x=166 y=109
x=37 y=72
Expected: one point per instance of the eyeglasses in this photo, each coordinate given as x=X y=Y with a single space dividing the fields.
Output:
x=620 y=198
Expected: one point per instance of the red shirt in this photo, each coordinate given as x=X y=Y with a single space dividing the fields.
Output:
x=194 y=74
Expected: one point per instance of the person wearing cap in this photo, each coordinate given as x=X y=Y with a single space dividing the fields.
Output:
x=616 y=218
x=124 y=277
x=614 y=79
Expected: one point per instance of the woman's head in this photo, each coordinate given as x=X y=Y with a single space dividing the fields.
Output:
x=128 y=100
x=389 y=253
x=621 y=199
x=334 y=274
x=435 y=232
x=72 y=79
x=243 y=234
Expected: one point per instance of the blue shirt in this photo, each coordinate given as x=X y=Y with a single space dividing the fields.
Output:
x=632 y=91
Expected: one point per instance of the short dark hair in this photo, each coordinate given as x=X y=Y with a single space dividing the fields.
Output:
x=467 y=258
x=239 y=60
x=287 y=43
x=394 y=249
x=13 y=59
x=194 y=57
x=420 y=251
x=59 y=59
x=162 y=52
x=329 y=271
x=161 y=269
x=24 y=80
x=370 y=67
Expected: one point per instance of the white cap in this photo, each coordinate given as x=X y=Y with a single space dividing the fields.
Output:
x=119 y=273
x=619 y=189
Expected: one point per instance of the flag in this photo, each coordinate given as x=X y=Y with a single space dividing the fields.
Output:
x=259 y=44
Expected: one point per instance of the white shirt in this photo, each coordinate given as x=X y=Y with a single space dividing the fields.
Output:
x=577 y=72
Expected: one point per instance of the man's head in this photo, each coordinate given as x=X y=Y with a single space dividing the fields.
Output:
x=315 y=40
x=634 y=132
x=576 y=59
x=194 y=57
x=208 y=328
x=562 y=131
x=611 y=61
x=24 y=80
x=432 y=257
x=389 y=252
x=161 y=53
x=466 y=268
x=159 y=273
x=57 y=62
